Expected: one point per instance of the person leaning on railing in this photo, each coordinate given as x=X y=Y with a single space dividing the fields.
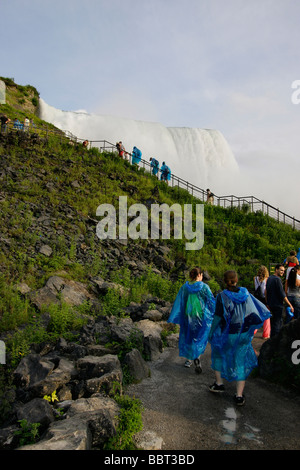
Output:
x=4 y=121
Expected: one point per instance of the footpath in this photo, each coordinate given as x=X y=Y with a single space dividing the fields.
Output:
x=182 y=414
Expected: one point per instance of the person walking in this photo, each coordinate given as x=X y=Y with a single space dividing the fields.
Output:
x=275 y=296
x=136 y=156
x=292 y=288
x=260 y=282
x=193 y=310
x=154 y=166
x=238 y=313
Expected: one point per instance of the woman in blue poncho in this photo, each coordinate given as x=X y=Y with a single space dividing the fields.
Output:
x=165 y=173
x=193 y=310
x=136 y=156
x=238 y=314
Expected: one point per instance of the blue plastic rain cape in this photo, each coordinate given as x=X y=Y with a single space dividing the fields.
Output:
x=193 y=310
x=136 y=155
x=165 y=173
x=238 y=315
x=154 y=166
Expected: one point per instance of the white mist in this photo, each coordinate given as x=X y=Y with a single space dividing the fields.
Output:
x=200 y=156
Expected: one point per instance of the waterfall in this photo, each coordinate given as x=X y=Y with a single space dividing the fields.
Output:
x=199 y=156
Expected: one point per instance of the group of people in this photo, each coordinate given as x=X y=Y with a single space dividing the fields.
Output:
x=165 y=172
x=230 y=321
x=17 y=125
x=270 y=291
x=136 y=156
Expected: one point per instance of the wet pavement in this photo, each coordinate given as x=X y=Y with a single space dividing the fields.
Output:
x=179 y=409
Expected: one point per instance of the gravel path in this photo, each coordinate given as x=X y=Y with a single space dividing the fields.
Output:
x=181 y=411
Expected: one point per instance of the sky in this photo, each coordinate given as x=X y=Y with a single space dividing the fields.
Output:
x=213 y=64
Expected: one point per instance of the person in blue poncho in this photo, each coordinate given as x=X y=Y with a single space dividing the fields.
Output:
x=193 y=310
x=154 y=166
x=136 y=156
x=165 y=172
x=238 y=314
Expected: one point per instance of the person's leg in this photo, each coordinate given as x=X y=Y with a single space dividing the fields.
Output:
x=239 y=396
x=219 y=380
x=266 y=329
x=240 y=385
x=197 y=363
x=276 y=320
x=218 y=386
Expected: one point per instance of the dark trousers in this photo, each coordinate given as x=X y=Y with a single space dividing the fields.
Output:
x=276 y=319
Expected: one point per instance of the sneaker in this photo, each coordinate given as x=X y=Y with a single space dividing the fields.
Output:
x=240 y=401
x=198 y=368
x=188 y=363
x=217 y=388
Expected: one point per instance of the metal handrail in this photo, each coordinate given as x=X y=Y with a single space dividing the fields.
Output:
x=250 y=202
x=222 y=201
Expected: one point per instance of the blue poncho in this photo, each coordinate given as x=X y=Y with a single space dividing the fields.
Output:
x=238 y=315
x=193 y=310
x=154 y=166
x=165 y=172
x=136 y=156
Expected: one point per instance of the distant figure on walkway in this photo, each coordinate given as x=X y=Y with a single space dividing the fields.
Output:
x=4 y=121
x=26 y=124
x=154 y=166
x=291 y=261
x=165 y=173
x=237 y=315
x=275 y=296
x=136 y=156
x=209 y=197
x=193 y=310
x=17 y=124
x=121 y=150
x=85 y=144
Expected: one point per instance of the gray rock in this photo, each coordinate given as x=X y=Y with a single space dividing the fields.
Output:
x=32 y=369
x=153 y=345
x=46 y=250
x=37 y=410
x=89 y=423
x=137 y=366
x=72 y=292
x=94 y=367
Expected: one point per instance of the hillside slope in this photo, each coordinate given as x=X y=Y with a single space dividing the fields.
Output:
x=56 y=275
x=50 y=191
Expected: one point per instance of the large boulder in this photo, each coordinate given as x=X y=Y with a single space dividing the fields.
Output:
x=137 y=367
x=153 y=344
x=89 y=424
x=37 y=410
x=72 y=292
x=32 y=369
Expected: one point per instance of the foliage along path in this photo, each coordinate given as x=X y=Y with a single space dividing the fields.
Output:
x=180 y=410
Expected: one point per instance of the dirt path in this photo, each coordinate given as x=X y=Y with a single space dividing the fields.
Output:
x=179 y=409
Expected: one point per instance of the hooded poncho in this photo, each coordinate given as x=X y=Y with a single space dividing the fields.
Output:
x=193 y=310
x=238 y=314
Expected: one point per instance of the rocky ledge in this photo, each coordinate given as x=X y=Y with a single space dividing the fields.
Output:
x=68 y=387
